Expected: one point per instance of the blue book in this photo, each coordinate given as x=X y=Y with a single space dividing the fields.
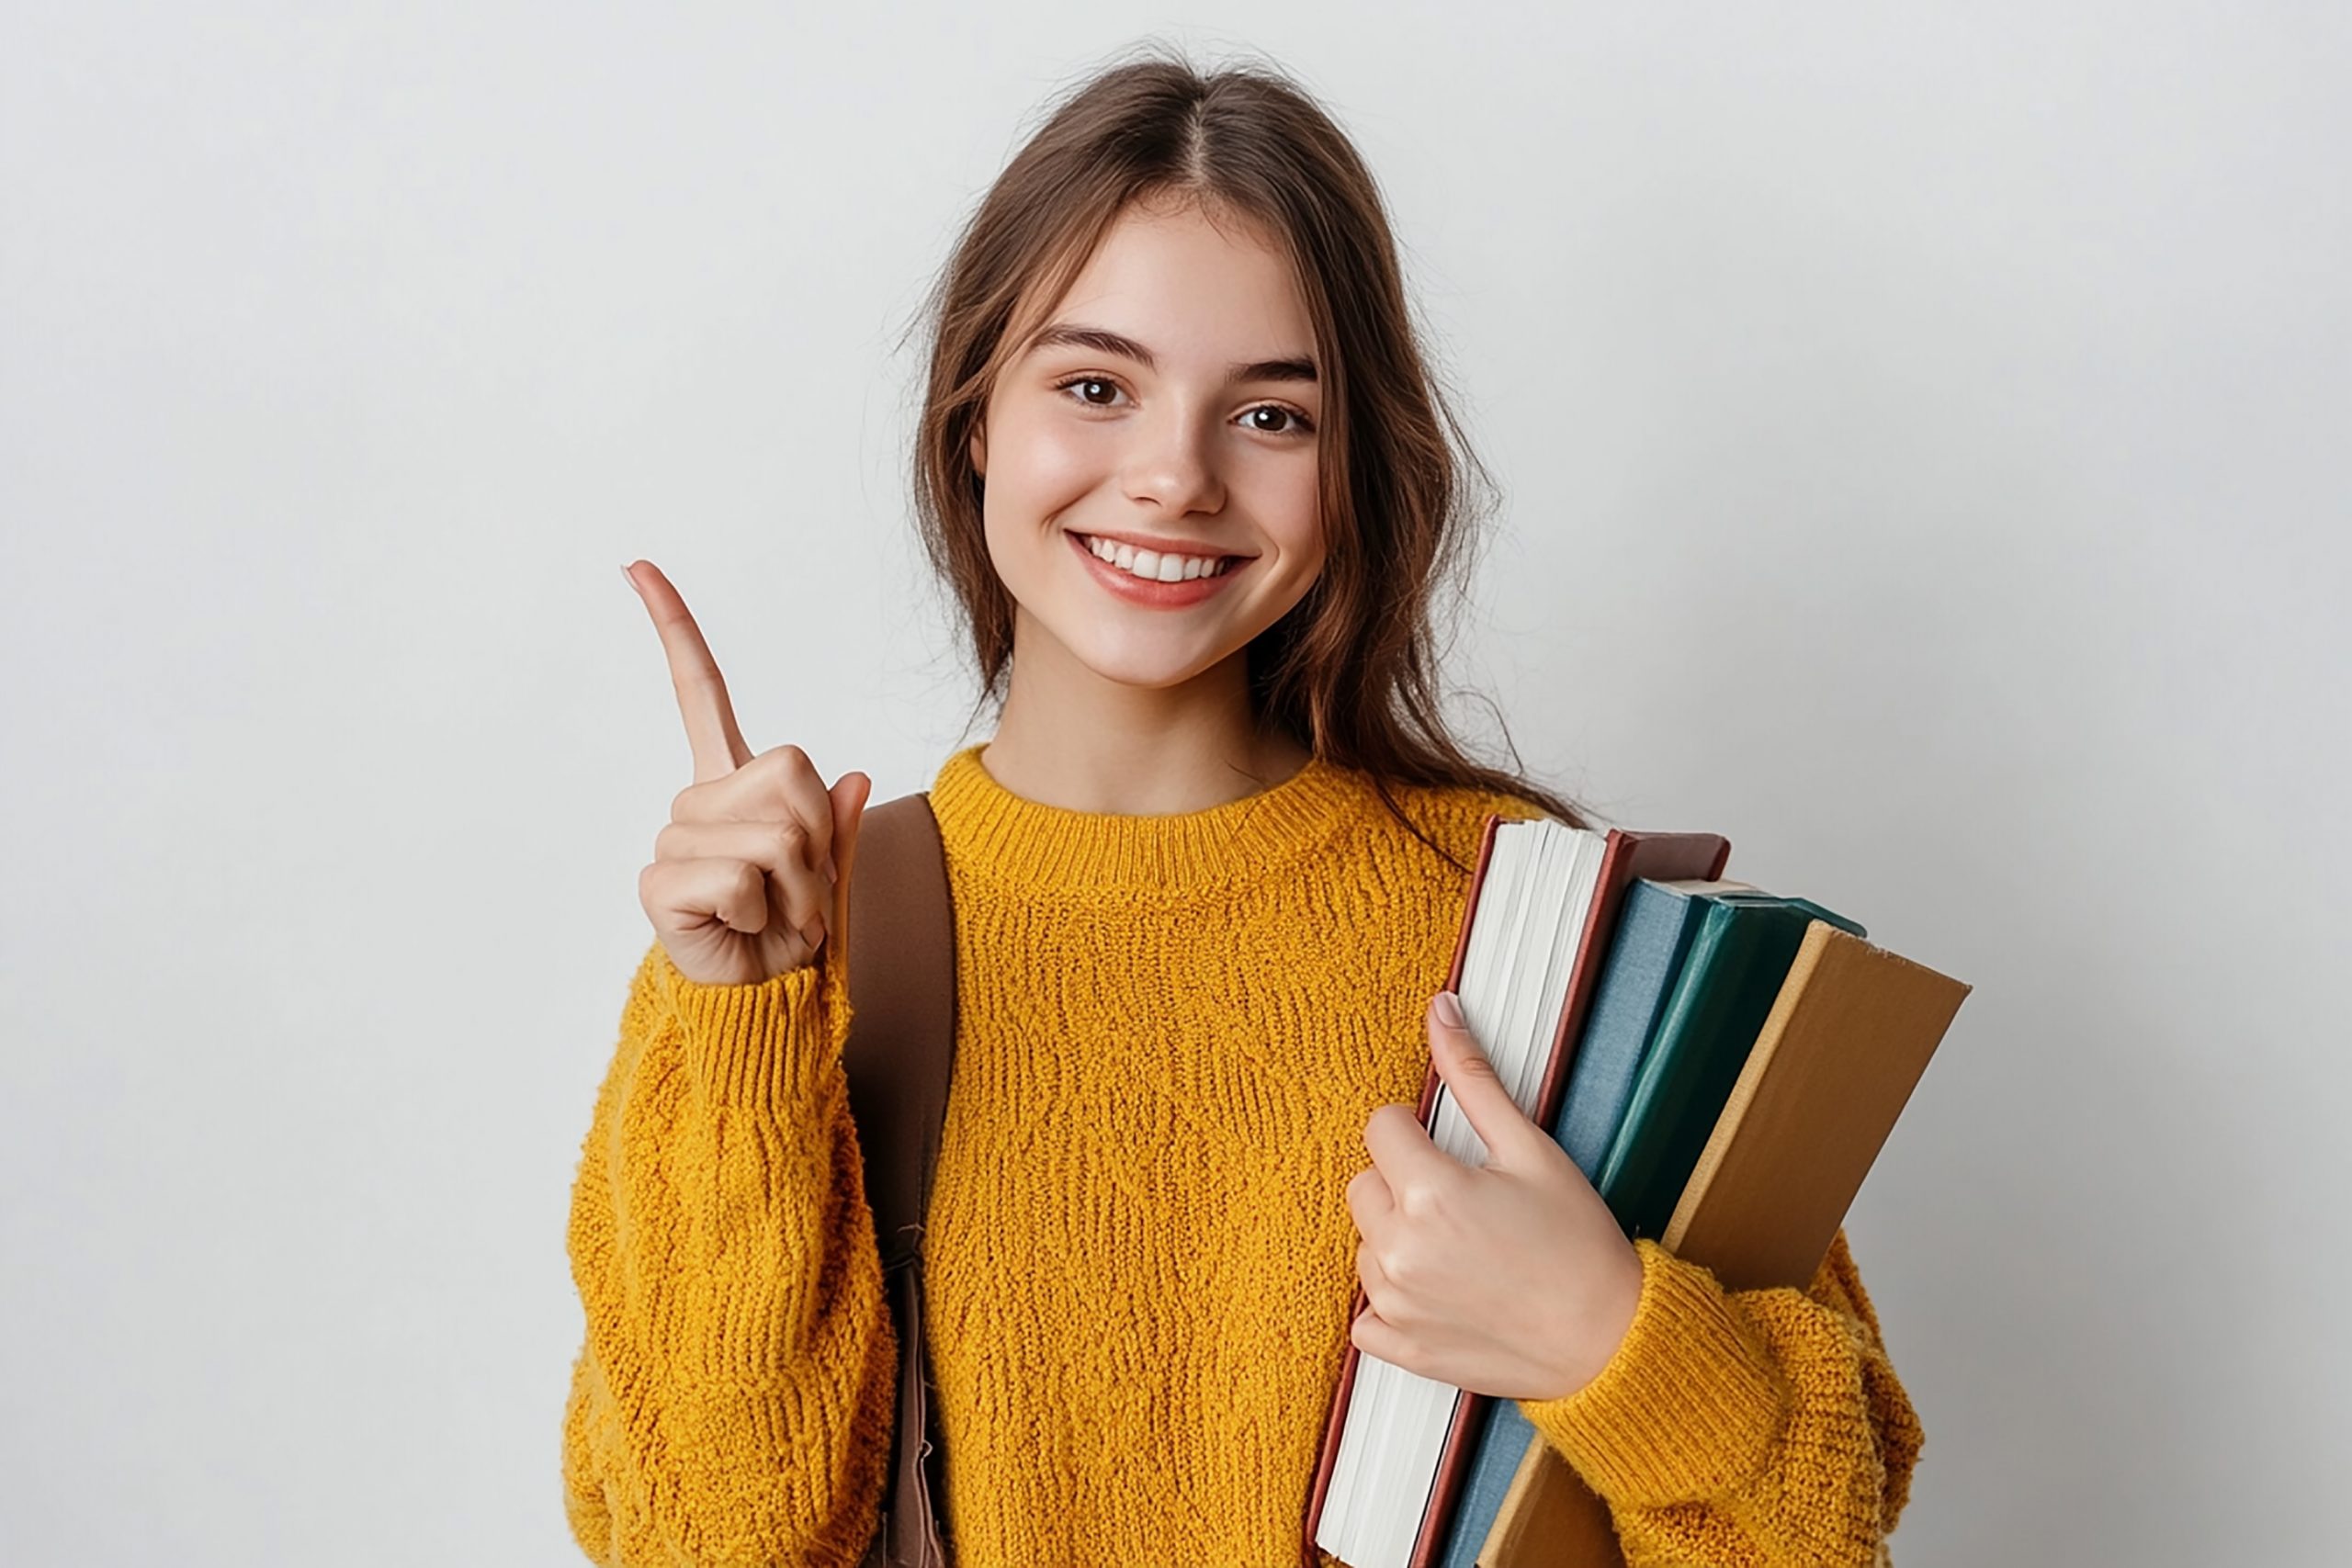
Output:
x=1739 y=955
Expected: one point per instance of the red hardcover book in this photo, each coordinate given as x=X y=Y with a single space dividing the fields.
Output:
x=1627 y=857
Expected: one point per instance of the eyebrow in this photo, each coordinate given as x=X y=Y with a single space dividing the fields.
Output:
x=1102 y=340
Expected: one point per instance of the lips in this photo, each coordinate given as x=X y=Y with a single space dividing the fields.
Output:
x=1151 y=592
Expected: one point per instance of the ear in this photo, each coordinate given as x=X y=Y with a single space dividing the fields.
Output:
x=979 y=451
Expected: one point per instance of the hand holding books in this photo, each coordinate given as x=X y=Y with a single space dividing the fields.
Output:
x=1745 y=1057
x=1507 y=1276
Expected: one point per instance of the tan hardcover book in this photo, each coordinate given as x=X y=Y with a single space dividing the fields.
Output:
x=1847 y=1040
x=1843 y=1048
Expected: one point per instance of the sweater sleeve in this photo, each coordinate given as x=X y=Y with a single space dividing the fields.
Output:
x=732 y=1399
x=1759 y=1427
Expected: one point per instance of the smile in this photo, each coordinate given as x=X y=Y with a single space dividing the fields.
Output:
x=1151 y=592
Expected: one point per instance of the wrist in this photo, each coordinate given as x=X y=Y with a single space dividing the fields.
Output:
x=1616 y=1302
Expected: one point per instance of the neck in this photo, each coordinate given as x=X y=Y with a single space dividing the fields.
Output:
x=1073 y=738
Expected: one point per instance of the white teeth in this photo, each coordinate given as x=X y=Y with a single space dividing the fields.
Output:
x=1151 y=565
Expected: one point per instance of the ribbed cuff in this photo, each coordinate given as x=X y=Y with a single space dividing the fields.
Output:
x=766 y=1044
x=1688 y=1408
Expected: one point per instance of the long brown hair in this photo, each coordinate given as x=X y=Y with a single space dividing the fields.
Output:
x=1351 y=670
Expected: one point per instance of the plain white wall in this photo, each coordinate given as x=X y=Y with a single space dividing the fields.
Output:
x=1923 y=432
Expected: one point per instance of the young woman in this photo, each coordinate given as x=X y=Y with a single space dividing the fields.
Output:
x=1184 y=468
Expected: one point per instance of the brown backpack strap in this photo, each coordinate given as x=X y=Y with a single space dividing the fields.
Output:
x=898 y=1059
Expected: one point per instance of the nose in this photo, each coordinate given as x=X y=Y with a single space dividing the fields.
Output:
x=1173 y=465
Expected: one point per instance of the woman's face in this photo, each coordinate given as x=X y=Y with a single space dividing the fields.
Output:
x=1197 y=430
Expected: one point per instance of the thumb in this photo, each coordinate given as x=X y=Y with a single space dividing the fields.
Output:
x=849 y=796
x=1493 y=1114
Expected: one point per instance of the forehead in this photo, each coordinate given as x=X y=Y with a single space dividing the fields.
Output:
x=1189 y=286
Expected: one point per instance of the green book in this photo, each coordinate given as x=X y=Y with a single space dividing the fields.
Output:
x=1730 y=976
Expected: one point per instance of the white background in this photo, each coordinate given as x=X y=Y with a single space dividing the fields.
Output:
x=1923 y=431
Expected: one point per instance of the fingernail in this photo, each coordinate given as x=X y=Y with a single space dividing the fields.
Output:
x=1447 y=1009
x=830 y=874
x=813 y=933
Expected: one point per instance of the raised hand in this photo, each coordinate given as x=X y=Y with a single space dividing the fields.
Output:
x=753 y=871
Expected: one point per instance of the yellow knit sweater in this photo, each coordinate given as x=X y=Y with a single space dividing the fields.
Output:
x=1141 y=1261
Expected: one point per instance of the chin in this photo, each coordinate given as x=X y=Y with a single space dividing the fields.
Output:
x=1146 y=674
x=1144 y=662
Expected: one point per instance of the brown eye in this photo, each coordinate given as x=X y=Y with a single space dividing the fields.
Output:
x=1296 y=422
x=1082 y=382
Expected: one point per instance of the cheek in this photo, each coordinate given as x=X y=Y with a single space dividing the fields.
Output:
x=1292 y=514
x=1038 y=466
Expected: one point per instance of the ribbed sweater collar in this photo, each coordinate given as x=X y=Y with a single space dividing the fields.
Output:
x=1003 y=836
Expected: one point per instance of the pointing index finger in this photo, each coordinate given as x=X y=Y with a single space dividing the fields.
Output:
x=718 y=744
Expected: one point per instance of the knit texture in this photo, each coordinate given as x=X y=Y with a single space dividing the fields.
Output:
x=1141 y=1261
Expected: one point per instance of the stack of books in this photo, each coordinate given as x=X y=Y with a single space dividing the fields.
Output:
x=1724 y=1065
